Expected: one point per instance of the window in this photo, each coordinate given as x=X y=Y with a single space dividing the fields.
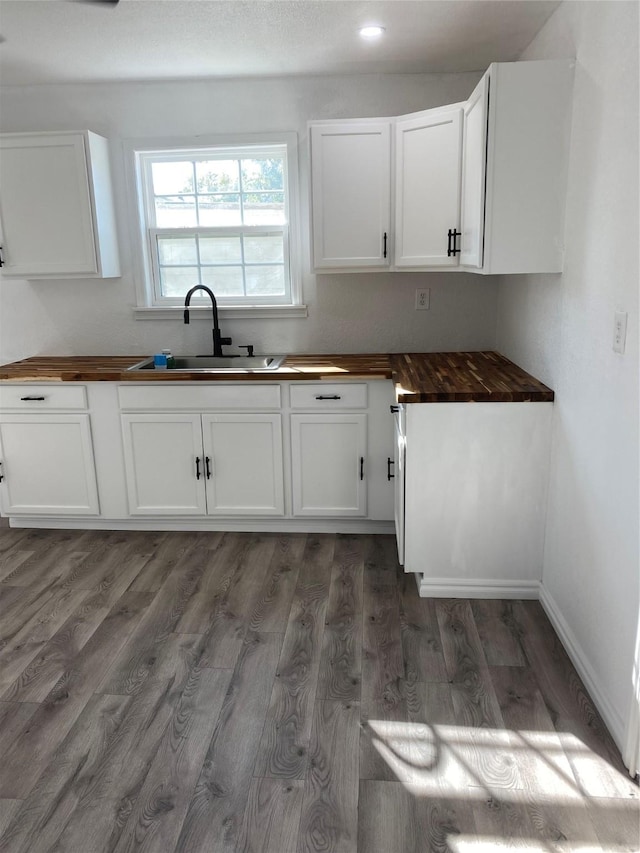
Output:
x=219 y=216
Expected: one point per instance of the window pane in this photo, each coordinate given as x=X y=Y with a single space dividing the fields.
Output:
x=217 y=176
x=172 y=178
x=175 y=281
x=177 y=250
x=224 y=281
x=265 y=281
x=220 y=250
x=266 y=173
x=176 y=212
x=263 y=248
x=263 y=208
x=219 y=209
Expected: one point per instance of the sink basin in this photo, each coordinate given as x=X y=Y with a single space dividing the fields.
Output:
x=214 y=364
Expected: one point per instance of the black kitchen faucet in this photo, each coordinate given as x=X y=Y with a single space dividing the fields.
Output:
x=218 y=341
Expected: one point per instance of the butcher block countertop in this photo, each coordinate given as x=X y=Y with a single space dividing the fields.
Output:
x=435 y=377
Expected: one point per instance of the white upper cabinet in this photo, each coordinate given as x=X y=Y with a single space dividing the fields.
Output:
x=351 y=194
x=517 y=127
x=478 y=186
x=474 y=162
x=56 y=206
x=427 y=154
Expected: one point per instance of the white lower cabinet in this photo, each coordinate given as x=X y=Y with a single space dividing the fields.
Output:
x=243 y=464
x=192 y=464
x=297 y=454
x=329 y=464
x=47 y=465
x=475 y=487
x=164 y=464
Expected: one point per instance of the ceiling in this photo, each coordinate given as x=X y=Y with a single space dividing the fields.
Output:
x=47 y=41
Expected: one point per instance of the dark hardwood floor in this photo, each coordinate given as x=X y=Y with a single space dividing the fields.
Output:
x=265 y=693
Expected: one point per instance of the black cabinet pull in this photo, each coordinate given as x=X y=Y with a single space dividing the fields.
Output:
x=328 y=397
x=390 y=476
x=452 y=249
x=1 y=476
x=197 y=467
x=384 y=245
x=32 y=398
x=362 y=467
x=1 y=257
x=207 y=465
x=394 y=409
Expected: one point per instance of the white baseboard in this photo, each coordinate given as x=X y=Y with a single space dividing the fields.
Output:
x=281 y=525
x=611 y=717
x=468 y=588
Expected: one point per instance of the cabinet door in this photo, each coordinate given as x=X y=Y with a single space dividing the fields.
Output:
x=243 y=464
x=351 y=194
x=47 y=219
x=428 y=151
x=380 y=468
x=329 y=458
x=399 y=481
x=474 y=166
x=47 y=465
x=164 y=464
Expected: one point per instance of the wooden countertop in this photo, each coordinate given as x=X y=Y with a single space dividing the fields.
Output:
x=464 y=377
x=418 y=377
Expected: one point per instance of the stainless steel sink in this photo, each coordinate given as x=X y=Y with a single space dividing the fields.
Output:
x=214 y=364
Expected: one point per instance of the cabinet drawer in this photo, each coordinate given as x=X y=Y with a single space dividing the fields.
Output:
x=167 y=398
x=42 y=397
x=325 y=396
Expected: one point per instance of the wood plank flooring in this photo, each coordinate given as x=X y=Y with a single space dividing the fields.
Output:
x=266 y=693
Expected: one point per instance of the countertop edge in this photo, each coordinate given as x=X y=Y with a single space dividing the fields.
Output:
x=414 y=379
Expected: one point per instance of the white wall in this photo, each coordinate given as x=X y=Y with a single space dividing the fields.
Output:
x=347 y=313
x=560 y=328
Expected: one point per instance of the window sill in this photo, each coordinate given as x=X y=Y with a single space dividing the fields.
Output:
x=231 y=312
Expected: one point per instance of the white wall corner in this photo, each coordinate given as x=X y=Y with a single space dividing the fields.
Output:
x=611 y=716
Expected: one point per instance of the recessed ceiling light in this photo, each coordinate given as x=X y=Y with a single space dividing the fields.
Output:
x=371 y=32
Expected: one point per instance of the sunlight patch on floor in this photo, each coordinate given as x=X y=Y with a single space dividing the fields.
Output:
x=451 y=759
x=468 y=844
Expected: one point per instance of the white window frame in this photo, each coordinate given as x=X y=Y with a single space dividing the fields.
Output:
x=139 y=155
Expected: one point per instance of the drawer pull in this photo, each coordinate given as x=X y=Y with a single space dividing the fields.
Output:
x=1 y=476
x=197 y=467
x=207 y=465
x=362 y=467
x=390 y=476
x=328 y=397
x=31 y=398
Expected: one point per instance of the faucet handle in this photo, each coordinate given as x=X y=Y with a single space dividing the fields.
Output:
x=248 y=347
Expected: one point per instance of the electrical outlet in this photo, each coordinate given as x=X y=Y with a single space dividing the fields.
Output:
x=619 y=331
x=422 y=299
